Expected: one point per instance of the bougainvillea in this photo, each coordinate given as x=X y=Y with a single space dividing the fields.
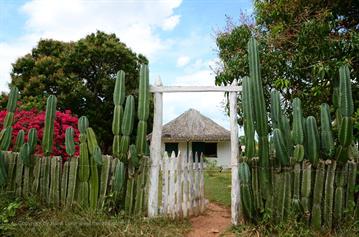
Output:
x=26 y=119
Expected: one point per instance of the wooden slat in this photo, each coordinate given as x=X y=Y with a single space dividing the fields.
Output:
x=179 y=185
x=201 y=185
x=165 y=184
x=185 y=186
x=171 y=201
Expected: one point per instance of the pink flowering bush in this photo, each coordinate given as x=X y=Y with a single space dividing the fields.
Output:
x=26 y=119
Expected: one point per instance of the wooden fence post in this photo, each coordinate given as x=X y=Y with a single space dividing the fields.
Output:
x=155 y=153
x=235 y=194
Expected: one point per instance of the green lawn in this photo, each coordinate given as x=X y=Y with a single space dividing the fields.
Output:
x=217 y=187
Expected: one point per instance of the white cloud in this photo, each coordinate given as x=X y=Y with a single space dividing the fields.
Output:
x=182 y=61
x=171 y=22
x=134 y=22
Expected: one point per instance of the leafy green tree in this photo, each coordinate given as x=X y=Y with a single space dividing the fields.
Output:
x=81 y=74
x=302 y=44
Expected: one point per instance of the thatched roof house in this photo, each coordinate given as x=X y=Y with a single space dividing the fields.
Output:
x=193 y=126
x=192 y=131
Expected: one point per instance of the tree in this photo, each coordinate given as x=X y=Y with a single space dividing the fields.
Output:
x=302 y=44
x=81 y=74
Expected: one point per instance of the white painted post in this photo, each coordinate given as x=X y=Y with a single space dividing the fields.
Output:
x=190 y=183
x=196 y=186
x=185 y=185
x=201 y=184
x=165 y=184
x=179 y=186
x=235 y=193
x=155 y=153
x=172 y=186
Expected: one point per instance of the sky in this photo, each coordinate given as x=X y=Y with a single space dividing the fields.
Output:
x=177 y=36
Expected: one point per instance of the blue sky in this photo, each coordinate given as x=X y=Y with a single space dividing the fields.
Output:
x=177 y=36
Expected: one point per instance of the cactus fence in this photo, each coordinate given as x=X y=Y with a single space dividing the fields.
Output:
x=57 y=183
x=182 y=186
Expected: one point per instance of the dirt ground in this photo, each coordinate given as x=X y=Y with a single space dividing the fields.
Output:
x=214 y=222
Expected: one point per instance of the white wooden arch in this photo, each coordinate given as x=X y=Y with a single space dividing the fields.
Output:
x=155 y=149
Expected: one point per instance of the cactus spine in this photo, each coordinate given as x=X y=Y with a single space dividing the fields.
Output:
x=69 y=141
x=48 y=135
x=345 y=109
x=326 y=131
x=260 y=117
x=143 y=110
x=248 y=112
x=118 y=100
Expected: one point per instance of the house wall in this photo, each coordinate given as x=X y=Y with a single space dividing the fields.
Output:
x=223 y=152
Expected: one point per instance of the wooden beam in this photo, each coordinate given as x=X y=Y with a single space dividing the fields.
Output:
x=176 y=89
x=155 y=153
x=235 y=192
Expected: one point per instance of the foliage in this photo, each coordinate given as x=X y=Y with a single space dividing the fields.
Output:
x=80 y=74
x=301 y=43
x=27 y=119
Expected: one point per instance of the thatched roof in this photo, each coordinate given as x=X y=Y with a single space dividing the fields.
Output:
x=193 y=126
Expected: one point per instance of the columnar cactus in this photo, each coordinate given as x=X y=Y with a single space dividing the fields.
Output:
x=95 y=155
x=276 y=112
x=84 y=163
x=280 y=147
x=143 y=110
x=48 y=135
x=6 y=139
x=345 y=109
x=69 y=141
x=248 y=114
x=260 y=113
x=118 y=100
x=127 y=127
x=19 y=140
x=11 y=106
x=246 y=191
x=327 y=141
x=312 y=139
x=32 y=140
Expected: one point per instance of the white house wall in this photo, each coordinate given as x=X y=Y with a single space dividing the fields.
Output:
x=223 y=152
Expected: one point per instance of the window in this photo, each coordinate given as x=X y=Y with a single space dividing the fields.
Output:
x=169 y=147
x=208 y=149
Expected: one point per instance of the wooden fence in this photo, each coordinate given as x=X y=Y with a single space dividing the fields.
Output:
x=182 y=186
x=56 y=182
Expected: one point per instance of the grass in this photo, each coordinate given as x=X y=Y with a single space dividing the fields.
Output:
x=217 y=187
x=29 y=218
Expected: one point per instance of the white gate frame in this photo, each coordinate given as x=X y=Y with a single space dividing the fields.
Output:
x=155 y=149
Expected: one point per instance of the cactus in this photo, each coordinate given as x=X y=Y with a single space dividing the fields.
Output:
x=134 y=156
x=127 y=127
x=11 y=104
x=350 y=192
x=260 y=117
x=326 y=131
x=245 y=188
x=248 y=114
x=329 y=193
x=32 y=139
x=296 y=188
x=25 y=154
x=280 y=148
x=276 y=112
x=48 y=135
x=339 y=202
x=118 y=99
x=317 y=196
x=345 y=111
x=312 y=139
x=6 y=139
x=69 y=141
x=19 y=140
x=119 y=181
x=91 y=140
x=84 y=163
x=306 y=188
x=9 y=118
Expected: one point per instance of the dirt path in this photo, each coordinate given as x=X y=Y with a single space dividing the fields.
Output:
x=214 y=222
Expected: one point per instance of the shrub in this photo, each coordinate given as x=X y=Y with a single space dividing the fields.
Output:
x=26 y=119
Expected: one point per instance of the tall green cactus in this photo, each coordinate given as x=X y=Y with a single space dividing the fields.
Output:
x=260 y=117
x=327 y=141
x=313 y=140
x=276 y=112
x=11 y=106
x=127 y=127
x=69 y=141
x=84 y=163
x=280 y=147
x=248 y=114
x=298 y=130
x=6 y=139
x=47 y=139
x=246 y=191
x=346 y=108
x=32 y=139
x=19 y=140
x=143 y=110
x=118 y=100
